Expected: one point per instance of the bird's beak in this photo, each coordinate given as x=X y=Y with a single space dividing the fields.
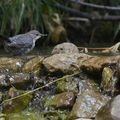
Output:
x=43 y=35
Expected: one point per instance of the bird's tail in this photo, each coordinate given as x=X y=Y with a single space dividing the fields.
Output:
x=4 y=39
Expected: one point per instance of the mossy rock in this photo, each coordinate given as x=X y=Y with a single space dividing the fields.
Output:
x=16 y=104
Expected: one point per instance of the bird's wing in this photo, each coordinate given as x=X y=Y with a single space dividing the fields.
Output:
x=21 y=41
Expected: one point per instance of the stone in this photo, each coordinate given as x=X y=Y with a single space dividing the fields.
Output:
x=13 y=64
x=68 y=84
x=110 y=111
x=65 y=63
x=109 y=81
x=95 y=64
x=19 y=103
x=62 y=100
x=34 y=65
x=66 y=47
x=87 y=105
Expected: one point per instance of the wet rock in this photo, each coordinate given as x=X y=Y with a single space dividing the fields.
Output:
x=68 y=84
x=87 y=84
x=65 y=63
x=68 y=48
x=76 y=85
x=62 y=100
x=87 y=104
x=111 y=111
x=16 y=79
x=3 y=81
x=33 y=65
x=18 y=104
x=14 y=64
x=19 y=79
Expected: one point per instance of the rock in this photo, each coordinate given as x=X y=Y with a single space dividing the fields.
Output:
x=68 y=84
x=118 y=68
x=87 y=105
x=109 y=81
x=19 y=79
x=25 y=115
x=18 y=104
x=95 y=64
x=33 y=65
x=75 y=85
x=110 y=111
x=55 y=115
x=3 y=81
x=15 y=79
x=62 y=100
x=65 y=63
x=14 y=64
x=68 y=48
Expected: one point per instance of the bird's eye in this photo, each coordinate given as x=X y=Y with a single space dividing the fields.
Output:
x=37 y=34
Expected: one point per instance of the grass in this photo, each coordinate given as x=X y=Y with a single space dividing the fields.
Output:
x=22 y=15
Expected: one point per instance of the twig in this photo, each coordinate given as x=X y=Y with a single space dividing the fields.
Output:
x=100 y=7
x=77 y=19
x=32 y=91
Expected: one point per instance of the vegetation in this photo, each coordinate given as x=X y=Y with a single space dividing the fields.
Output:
x=19 y=16
x=22 y=15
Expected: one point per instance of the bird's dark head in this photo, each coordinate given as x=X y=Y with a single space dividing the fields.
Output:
x=36 y=34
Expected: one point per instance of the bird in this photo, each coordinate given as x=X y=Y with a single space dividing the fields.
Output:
x=21 y=44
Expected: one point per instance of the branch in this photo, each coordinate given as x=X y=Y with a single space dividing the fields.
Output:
x=72 y=11
x=101 y=7
x=86 y=15
x=77 y=19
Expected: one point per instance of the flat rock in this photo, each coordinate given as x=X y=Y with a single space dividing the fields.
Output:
x=95 y=64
